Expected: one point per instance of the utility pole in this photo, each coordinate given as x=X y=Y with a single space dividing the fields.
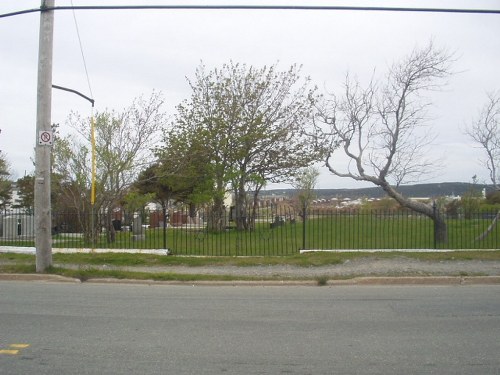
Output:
x=44 y=138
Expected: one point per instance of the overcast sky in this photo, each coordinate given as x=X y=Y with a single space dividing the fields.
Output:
x=132 y=53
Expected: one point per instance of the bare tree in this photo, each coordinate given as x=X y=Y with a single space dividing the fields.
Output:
x=123 y=147
x=305 y=183
x=485 y=130
x=378 y=128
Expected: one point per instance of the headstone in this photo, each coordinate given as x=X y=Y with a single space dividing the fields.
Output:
x=137 y=230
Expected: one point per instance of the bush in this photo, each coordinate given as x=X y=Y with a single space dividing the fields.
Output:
x=489 y=208
x=493 y=197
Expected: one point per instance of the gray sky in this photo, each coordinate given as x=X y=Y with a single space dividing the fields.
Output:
x=132 y=53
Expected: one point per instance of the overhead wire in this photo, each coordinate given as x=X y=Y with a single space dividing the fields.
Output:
x=92 y=122
x=255 y=7
x=81 y=50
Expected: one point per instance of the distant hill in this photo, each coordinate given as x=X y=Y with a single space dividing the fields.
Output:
x=433 y=190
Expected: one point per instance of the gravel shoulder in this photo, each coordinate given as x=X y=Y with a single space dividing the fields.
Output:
x=350 y=268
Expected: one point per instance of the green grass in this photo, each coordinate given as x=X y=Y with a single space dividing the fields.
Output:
x=18 y=268
x=332 y=231
x=322 y=280
x=315 y=259
x=90 y=273
x=463 y=233
x=87 y=266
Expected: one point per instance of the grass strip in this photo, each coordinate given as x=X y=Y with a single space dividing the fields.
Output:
x=87 y=274
x=87 y=264
x=18 y=268
x=316 y=259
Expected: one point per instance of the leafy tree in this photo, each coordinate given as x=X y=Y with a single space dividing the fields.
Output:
x=26 y=188
x=184 y=169
x=248 y=124
x=149 y=183
x=378 y=128
x=5 y=182
x=123 y=143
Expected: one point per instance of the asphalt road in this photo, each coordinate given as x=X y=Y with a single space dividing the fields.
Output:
x=61 y=328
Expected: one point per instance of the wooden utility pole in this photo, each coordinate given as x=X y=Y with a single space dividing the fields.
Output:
x=44 y=138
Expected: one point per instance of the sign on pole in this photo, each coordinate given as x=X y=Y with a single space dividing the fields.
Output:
x=45 y=138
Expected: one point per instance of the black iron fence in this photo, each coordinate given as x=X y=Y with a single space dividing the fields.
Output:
x=271 y=231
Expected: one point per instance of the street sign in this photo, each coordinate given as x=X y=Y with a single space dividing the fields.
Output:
x=45 y=138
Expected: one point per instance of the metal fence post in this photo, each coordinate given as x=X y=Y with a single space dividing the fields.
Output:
x=304 y=216
x=165 y=216
x=434 y=212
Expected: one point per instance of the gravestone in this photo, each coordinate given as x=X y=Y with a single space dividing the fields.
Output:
x=137 y=229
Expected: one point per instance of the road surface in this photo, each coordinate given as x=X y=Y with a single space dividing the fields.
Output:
x=63 y=328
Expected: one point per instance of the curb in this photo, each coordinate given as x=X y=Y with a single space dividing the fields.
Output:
x=382 y=280
x=37 y=277
x=207 y=282
x=423 y=280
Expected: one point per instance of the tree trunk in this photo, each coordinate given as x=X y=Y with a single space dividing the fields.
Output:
x=253 y=215
x=216 y=220
x=108 y=224
x=440 y=228
x=490 y=228
x=241 y=211
x=164 y=228
x=192 y=210
x=111 y=233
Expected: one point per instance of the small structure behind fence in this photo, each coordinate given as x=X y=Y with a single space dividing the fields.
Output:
x=16 y=226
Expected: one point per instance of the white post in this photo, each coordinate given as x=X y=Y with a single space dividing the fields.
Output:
x=43 y=219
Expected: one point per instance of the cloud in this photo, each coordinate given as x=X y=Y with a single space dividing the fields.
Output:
x=129 y=53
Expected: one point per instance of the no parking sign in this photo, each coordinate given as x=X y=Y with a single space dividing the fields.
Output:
x=45 y=138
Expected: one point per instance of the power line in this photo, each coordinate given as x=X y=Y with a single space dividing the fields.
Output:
x=83 y=55
x=254 y=7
